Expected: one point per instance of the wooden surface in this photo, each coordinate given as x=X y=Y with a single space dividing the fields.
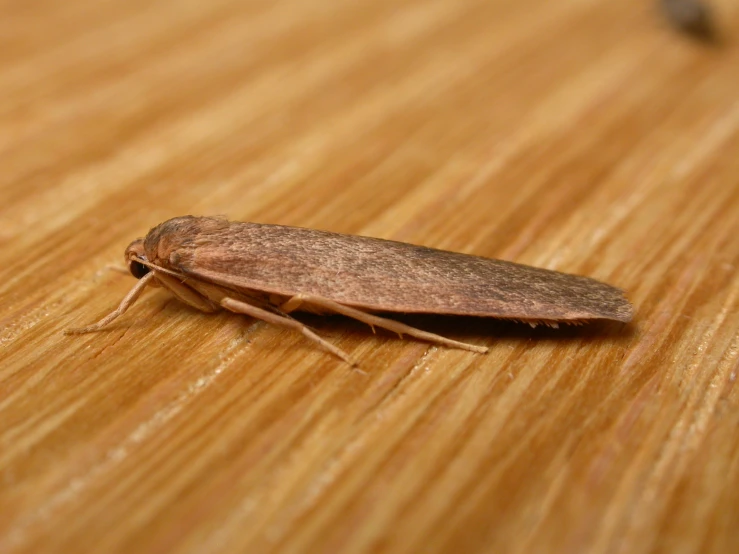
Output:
x=581 y=136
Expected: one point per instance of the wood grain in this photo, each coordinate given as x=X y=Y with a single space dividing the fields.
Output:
x=586 y=137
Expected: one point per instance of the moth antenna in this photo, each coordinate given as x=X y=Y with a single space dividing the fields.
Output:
x=156 y=267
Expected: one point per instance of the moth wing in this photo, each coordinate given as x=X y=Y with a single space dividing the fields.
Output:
x=385 y=276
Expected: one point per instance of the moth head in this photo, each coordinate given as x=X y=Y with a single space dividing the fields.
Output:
x=134 y=253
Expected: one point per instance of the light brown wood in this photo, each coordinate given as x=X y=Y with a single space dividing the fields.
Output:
x=587 y=137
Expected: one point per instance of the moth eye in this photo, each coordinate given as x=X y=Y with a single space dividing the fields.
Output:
x=138 y=269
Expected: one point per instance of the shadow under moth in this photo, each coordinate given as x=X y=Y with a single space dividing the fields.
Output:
x=269 y=271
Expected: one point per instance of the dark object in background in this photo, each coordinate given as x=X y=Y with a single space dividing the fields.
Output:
x=693 y=17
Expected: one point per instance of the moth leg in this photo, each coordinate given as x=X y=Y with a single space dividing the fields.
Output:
x=185 y=294
x=370 y=319
x=258 y=313
x=126 y=303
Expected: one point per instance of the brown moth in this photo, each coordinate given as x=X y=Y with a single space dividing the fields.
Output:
x=269 y=271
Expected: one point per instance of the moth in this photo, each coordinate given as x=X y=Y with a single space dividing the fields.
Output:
x=270 y=271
